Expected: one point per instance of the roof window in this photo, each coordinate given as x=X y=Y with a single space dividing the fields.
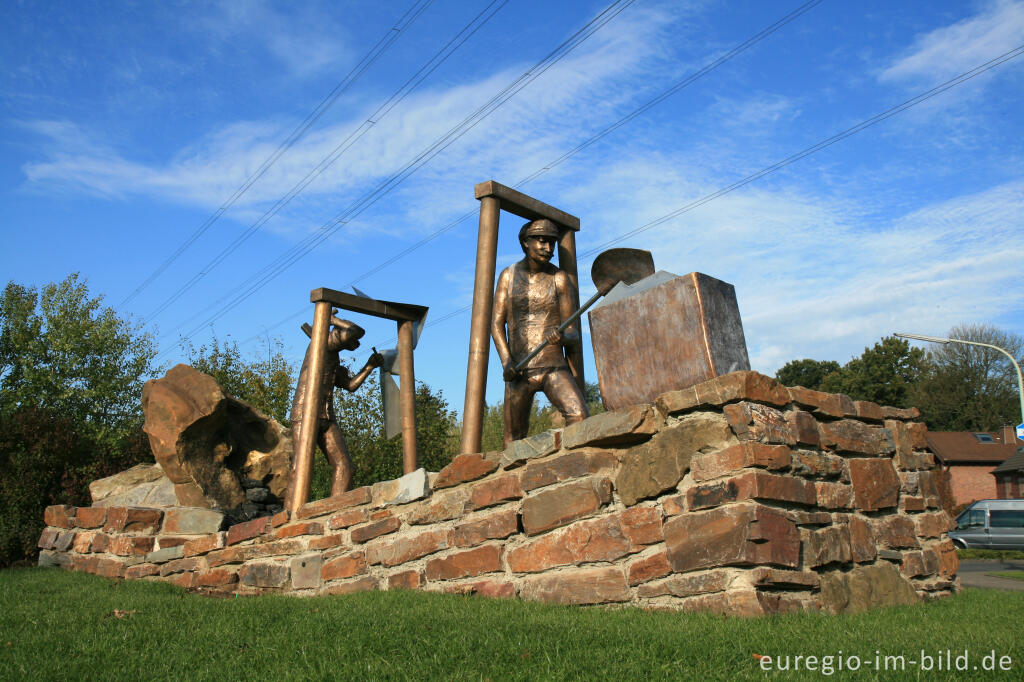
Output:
x=985 y=438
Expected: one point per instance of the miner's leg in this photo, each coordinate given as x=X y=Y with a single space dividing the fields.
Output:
x=565 y=394
x=333 y=444
x=518 y=400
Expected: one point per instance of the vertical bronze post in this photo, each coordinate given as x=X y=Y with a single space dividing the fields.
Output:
x=480 y=326
x=567 y=262
x=305 y=439
x=407 y=396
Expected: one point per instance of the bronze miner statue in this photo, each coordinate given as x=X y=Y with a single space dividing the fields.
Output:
x=344 y=335
x=532 y=299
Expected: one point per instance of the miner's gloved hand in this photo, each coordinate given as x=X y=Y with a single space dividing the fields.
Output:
x=554 y=338
x=376 y=360
x=510 y=373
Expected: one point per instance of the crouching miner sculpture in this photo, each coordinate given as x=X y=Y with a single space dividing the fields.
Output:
x=344 y=335
x=531 y=300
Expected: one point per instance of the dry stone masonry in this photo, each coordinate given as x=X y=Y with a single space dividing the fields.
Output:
x=738 y=496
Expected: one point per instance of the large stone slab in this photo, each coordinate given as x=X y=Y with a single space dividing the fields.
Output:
x=144 y=485
x=865 y=587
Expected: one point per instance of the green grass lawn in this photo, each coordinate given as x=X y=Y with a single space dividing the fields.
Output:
x=61 y=625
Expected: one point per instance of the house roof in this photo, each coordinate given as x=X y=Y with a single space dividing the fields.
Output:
x=1014 y=463
x=964 y=447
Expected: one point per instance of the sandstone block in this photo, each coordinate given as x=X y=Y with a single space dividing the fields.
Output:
x=240 y=532
x=464 y=468
x=59 y=516
x=868 y=411
x=100 y=542
x=298 y=529
x=82 y=543
x=906 y=414
x=824 y=404
x=132 y=520
x=205 y=544
x=804 y=427
x=739 y=456
x=494 y=526
x=363 y=584
x=913 y=564
x=166 y=554
x=540 y=445
x=141 y=571
x=405 y=580
x=305 y=571
x=48 y=538
x=464 y=564
x=744 y=385
x=409 y=488
x=817 y=464
x=450 y=504
x=179 y=566
x=862 y=540
x=352 y=498
x=192 y=521
x=778 y=578
x=671 y=506
x=658 y=465
x=802 y=517
x=326 y=542
x=751 y=485
x=648 y=568
x=347 y=518
x=910 y=503
x=65 y=540
x=216 y=577
x=834 y=495
x=933 y=524
x=591 y=586
x=265 y=574
x=91 y=517
x=494 y=491
x=849 y=435
x=485 y=588
x=949 y=561
x=687 y=585
x=49 y=558
x=865 y=587
x=564 y=467
x=827 y=545
x=738 y=534
x=895 y=531
x=875 y=483
x=396 y=551
x=553 y=507
x=599 y=540
x=376 y=529
x=345 y=566
x=144 y=485
x=918 y=435
x=234 y=555
x=753 y=421
x=619 y=427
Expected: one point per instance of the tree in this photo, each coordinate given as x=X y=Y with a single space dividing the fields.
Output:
x=883 y=374
x=63 y=351
x=266 y=383
x=807 y=373
x=970 y=388
x=71 y=375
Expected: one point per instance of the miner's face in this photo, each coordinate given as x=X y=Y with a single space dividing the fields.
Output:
x=540 y=248
x=340 y=340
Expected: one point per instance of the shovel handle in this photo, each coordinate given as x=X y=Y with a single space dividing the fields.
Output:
x=561 y=328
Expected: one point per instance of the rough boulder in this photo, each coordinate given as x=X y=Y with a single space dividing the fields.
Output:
x=212 y=446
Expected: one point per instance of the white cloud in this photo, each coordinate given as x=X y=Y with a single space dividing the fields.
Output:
x=953 y=49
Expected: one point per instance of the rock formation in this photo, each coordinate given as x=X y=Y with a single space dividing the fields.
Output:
x=212 y=447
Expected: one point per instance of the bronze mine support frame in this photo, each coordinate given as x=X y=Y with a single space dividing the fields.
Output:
x=406 y=315
x=494 y=198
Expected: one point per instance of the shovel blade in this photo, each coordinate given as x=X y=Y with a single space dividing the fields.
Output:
x=621 y=265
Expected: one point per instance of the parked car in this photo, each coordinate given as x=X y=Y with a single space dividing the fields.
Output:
x=990 y=524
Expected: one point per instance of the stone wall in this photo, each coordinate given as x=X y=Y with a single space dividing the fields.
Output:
x=738 y=496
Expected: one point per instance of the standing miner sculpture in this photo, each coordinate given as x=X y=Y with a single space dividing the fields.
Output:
x=531 y=300
x=344 y=335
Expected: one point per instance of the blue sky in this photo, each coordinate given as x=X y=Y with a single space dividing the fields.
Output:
x=125 y=126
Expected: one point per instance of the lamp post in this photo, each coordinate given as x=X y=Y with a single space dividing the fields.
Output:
x=937 y=339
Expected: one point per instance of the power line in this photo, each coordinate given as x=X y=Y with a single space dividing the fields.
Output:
x=827 y=142
x=288 y=258
x=326 y=162
x=343 y=85
x=676 y=87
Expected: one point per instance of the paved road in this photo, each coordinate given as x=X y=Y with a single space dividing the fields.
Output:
x=973 y=574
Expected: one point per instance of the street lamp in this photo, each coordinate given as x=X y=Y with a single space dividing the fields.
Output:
x=937 y=339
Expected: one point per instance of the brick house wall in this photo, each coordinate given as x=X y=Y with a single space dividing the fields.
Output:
x=972 y=482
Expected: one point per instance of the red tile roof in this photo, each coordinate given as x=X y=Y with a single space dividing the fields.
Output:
x=962 y=447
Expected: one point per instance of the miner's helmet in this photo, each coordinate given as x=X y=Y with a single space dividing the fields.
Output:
x=541 y=227
x=344 y=333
